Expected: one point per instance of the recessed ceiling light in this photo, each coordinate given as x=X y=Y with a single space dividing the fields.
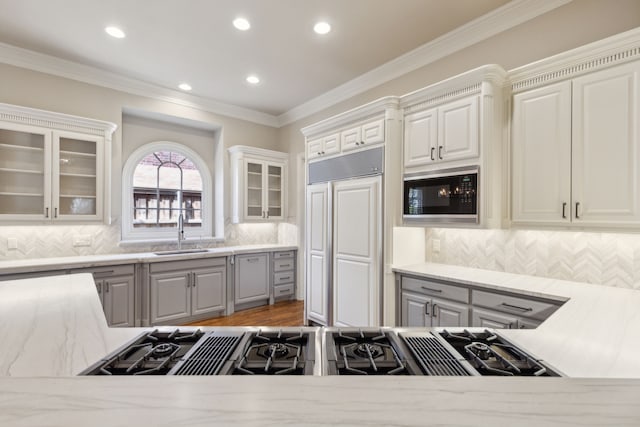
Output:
x=322 y=28
x=115 y=32
x=253 y=79
x=242 y=24
x=185 y=86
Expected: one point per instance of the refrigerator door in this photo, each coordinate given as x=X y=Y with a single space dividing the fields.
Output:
x=318 y=254
x=356 y=260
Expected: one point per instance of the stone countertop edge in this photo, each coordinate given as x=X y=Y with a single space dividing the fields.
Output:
x=595 y=334
x=62 y=263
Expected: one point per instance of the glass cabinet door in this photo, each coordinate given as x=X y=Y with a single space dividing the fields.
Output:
x=77 y=176
x=254 y=189
x=24 y=172
x=274 y=191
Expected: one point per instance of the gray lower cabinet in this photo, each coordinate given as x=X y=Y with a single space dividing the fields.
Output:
x=492 y=319
x=284 y=274
x=251 y=279
x=116 y=289
x=422 y=304
x=186 y=290
x=510 y=311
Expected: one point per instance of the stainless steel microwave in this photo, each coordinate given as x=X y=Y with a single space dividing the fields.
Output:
x=443 y=196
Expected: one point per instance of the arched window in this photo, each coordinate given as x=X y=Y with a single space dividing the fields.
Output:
x=161 y=182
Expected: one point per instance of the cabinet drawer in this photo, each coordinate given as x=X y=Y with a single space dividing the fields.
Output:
x=283 y=277
x=514 y=305
x=283 y=265
x=283 y=290
x=187 y=264
x=437 y=289
x=107 y=271
x=286 y=254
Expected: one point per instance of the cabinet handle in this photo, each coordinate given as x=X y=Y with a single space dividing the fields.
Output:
x=432 y=150
x=282 y=291
x=361 y=142
x=434 y=312
x=564 y=207
x=357 y=143
x=99 y=287
x=515 y=307
x=106 y=287
x=253 y=259
x=46 y=212
x=55 y=212
x=319 y=153
x=322 y=152
x=431 y=290
x=193 y=281
x=577 y=207
x=440 y=152
x=426 y=309
x=285 y=265
x=285 y=278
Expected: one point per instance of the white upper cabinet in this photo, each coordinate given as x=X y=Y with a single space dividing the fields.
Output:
x=355 y=137
x=575 y=150
x=447 y=133
x=541 y=154
x=606 y=146
x=258 y=184
x=50 y=174
x=420 y=138
x=458 y=130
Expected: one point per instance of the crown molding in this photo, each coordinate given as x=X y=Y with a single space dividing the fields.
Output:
x=614 y=50
x=260 y=152
x=48 y=64
x=508 y=16
x=383 y=106
x=34 y=117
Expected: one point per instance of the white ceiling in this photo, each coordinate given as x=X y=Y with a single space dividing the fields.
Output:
x=171 y=41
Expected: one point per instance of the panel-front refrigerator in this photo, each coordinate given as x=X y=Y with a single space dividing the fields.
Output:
x=344 y=240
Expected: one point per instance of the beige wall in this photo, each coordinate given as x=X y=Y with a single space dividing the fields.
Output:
x=38 y=90
x=575 y=24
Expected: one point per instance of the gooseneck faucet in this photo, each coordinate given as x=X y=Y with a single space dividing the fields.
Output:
x=180 y=231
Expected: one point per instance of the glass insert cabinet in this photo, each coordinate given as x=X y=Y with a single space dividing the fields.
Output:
x=258 y=184
x=48 y=172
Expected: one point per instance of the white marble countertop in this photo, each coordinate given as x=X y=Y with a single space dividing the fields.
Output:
x=596 y=333
x=61 y=263
x=318 y=401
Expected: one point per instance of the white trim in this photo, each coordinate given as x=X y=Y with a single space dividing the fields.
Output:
x=614 y=50
x=508 y=16
x=31 y=60
x=262 y=152
x=129 y=233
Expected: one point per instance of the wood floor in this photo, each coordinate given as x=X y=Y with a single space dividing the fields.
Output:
x=285 y=313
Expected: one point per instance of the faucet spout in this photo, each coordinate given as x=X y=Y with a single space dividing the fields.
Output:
x=180 y=231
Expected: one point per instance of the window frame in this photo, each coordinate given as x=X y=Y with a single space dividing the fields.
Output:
x=142 y=234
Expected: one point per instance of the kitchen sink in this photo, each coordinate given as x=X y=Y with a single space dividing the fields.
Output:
x=181 y=251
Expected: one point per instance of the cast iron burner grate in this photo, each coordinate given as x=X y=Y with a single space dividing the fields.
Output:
x=367 y=353
x=274 y=353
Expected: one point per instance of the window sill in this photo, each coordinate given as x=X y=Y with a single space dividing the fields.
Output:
x=188 y=241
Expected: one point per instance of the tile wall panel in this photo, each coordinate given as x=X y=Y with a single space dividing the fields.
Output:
x=611 y=259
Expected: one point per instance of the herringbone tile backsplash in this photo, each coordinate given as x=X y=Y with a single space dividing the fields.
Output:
x=609 y=259
x=57 y=241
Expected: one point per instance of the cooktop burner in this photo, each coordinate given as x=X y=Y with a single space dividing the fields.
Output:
x=152 y=353
x=277 y=353
x=366 y=352
x=490 y=354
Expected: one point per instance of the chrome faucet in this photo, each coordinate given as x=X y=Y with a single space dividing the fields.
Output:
x=180 y=231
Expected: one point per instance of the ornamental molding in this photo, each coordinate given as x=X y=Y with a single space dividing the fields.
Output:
x=615 y=50
x=51 y=120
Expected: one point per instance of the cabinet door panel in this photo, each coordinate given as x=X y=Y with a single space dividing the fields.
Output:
x=415 y=310
x=350 y=139
x=317 y=300
x=373 y=133
x=118 y=297
x=252 y=278
x=491 y=319
x=458 y=130
x=170 y=296
x=355 y=236
x=208 y=292
x=274 y=191
x=331 y=144
x=541 y=150
x=449 y=313
x=420 y=138
x=606 y=151
x=314 y=149
x=254 y=190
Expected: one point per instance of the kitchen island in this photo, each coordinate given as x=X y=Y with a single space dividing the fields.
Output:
x=53 y=328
